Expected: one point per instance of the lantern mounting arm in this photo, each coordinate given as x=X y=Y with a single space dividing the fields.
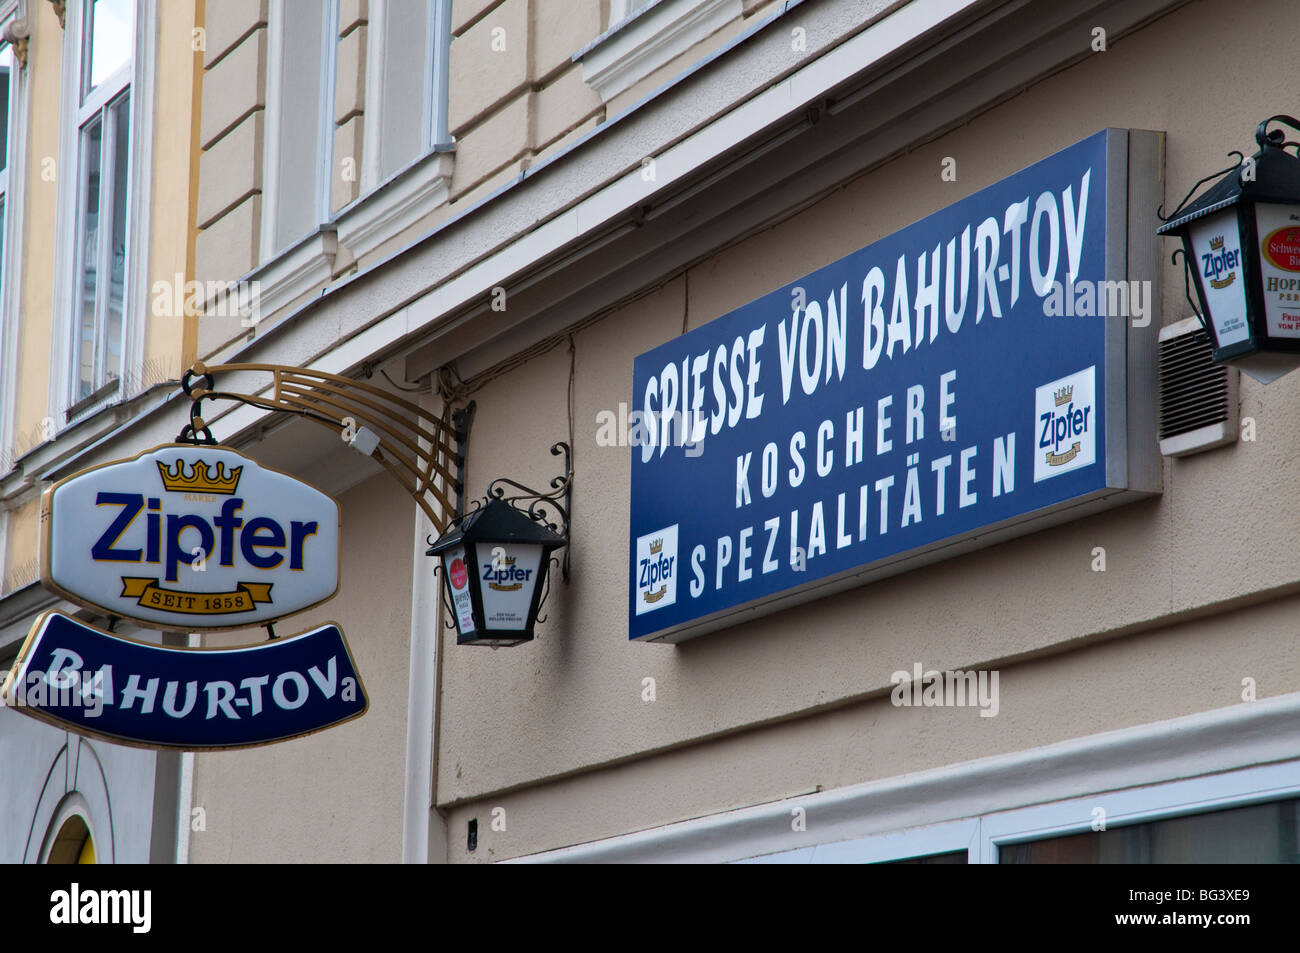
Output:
x=1276 y=137
x=425 y=454
x=1192 y=191
x=540 y=503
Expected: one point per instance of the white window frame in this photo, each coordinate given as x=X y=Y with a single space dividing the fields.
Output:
x=276 y=27
x=984 y=836
x=287 y=272
x=11 y=260
x=388 y=205
x=1234 y=756
x=73 y=113
x=1155 y=802
x=435 y=107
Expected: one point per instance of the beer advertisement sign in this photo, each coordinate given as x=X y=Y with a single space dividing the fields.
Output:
x=190 y=537
x=981 y=373
x=186 y=538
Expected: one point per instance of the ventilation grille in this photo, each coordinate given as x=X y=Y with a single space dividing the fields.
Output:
x=1198 y=398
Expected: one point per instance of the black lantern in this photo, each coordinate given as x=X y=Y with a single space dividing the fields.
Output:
x=495 y=561
x=1241 y=249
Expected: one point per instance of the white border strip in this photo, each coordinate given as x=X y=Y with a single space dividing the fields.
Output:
x=1224 y=739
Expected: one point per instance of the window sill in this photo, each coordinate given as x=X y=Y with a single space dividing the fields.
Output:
x=396 y=204
x=634 y=48
x=290 y=274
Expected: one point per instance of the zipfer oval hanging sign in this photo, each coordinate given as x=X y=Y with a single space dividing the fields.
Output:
x=187 y=537
x=190 y=537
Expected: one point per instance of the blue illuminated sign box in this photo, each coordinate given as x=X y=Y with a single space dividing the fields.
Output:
x=96 y=683
x=980 y=374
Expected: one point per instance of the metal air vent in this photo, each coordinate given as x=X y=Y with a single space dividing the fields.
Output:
x=1198 y=398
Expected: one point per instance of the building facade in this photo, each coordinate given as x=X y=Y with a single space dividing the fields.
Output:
x=98 y=243
x=511 y=201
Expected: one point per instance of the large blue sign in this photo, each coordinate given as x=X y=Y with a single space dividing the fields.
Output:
x=97 y=683
x=947 y=380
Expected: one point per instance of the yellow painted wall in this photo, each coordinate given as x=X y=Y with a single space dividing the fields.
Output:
x=169 y=340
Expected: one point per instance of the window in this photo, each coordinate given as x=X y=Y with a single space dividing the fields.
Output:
x=410 y=109
x=103 y=160
x=1258 y=834
x=300 y=97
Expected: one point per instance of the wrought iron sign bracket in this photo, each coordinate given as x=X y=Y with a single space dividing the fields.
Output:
x=426 y=455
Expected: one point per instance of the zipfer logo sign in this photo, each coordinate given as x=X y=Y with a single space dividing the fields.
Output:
x=190 y=537
x=187 y=538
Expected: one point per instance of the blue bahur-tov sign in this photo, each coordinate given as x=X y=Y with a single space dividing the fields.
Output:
x=980 y=374
x=187 y=538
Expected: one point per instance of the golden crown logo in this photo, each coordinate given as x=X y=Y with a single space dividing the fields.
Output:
x=656 y=546
x=1064 y=395
x=199 y=481
x=1216 y=243
x=508 y=561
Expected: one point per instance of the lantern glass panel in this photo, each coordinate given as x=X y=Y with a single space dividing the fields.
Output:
x=1279 y=262
x=457 y=573
x=1216 y=248
x=509 y=574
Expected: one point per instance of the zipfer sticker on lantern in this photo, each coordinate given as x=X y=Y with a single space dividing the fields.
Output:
x=194 y=537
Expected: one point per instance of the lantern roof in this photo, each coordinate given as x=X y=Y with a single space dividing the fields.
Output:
x=1276 y=178
x=497 y=521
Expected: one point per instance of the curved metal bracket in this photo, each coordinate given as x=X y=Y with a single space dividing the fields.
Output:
x=541 y=503
x=424 y=454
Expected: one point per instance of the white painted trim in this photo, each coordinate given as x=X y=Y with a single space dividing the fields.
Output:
x=421 y=708
x=140 y=201
x=1213 y=792
x=12 y=275
x=294 y=272
x=629 y=53
x=185 y=797
x=185 y=800
x=1195 y=746
x=386 y=211
x=329 y=55
x=65 y=227
x=374 y=100
x=275 y=26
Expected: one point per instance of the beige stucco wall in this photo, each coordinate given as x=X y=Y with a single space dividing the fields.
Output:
x=1198 y=592
x=814 y=676
x=337 y=795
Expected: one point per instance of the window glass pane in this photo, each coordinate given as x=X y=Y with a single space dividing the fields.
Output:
x=1259 y=834
x=87 y=277
x=405 y=78
x=299 y=169
x=121 y=111
x=951 y=857
x=110 y=24
x=6 y=71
